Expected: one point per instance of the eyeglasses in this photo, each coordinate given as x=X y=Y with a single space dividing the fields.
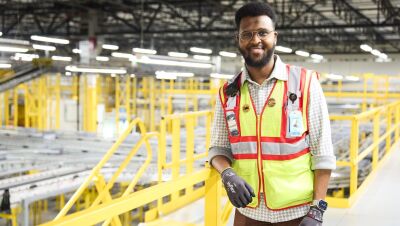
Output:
x=248 y=35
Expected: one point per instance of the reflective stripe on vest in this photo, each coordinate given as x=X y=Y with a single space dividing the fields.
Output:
x=284 y=162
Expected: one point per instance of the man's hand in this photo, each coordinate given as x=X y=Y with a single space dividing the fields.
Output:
x=239 y=192
x=313 y=217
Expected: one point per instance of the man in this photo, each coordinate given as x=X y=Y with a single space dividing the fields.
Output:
x=271 y=138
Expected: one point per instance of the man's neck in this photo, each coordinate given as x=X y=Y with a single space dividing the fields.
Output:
x=259 y=75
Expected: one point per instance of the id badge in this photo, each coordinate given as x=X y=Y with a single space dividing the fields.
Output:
x=295 y=123
x=232 y=125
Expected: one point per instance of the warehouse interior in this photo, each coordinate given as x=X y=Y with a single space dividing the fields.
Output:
x=106 y=107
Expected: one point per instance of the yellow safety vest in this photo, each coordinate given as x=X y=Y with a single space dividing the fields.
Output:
x=265 y=155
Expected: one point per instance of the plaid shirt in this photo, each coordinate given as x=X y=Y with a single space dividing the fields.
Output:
x=319 y=137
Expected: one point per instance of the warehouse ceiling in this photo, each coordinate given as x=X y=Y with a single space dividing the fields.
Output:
x=323 y=27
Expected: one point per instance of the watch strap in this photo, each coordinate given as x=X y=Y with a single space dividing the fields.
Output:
x=315 y=213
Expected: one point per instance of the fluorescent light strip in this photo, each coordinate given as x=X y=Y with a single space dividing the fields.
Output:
x=366 y=47
x=302 y=53
x=176 y=74
x=61 y=58
x=48 y=39
x=68 y=73
x=144 y=51
x=1 y=33
x=317 y=56
x=352 y=78
x=227 y=54
x=25 y=57
x=77 y=51
x=146 y=60
x=383 y=56
x=283 y=49
x=73 y=68
x=199 y=57
x=200 y=50
x=122 y=55
x=375 y=52
x=4 y=66
x=334 y=77
x=110 y=47
x=102 y=58
x=13 y=49
x=14 y=41
x=176 y=54
x=44 y=47
x=221 y=76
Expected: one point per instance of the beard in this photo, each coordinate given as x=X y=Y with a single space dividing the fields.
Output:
x=265 y=58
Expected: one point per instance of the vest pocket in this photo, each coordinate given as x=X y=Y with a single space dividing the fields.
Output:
x=288 y=183
x=247 y=169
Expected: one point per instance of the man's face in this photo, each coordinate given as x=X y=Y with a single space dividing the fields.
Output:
x=257 y=52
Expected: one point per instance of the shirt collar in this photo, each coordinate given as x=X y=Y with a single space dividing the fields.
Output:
x=279 y=72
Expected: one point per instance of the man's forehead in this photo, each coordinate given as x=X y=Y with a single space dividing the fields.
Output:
x=264 y=21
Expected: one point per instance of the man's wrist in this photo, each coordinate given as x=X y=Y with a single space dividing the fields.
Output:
x=320 y=204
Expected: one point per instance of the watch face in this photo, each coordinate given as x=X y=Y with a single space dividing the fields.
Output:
x=322 y=205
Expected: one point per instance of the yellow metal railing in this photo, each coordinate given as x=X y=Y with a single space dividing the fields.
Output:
x=391 y=116
x=97 y=178
x=190 y=121
x=214 y=214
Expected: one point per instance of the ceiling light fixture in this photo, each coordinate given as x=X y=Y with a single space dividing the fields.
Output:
x=102 y=58
x=13 y=49
x=176 y=54
x=77 y=51
x=283 y=49
x=48 y=39
x=352 y=78
x=227 y=54
x=317 y=56
x=147 y=60
x=44 y=47
x=5 y=66
x=144 y=51
x=221 y=76
x=366 y=47
x=302 y=53
x=61 y=58
x=122 y=55
x=334 y=76
x=200 y=50
x=176 y=74
x=375 y=52
x=199 y=57
x=14 y=41
x=110 y=47
x=73 y=68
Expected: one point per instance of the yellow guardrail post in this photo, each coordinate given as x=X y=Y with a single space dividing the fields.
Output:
x=354 y=155
x=212 y=197
x=15 y=103
x=388 y=127
x=152 y=106
x=375 y=154
x=397 y=121
x=6 y=108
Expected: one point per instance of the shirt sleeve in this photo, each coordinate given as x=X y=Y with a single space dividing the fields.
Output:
x=320 y=139
x=219 y=135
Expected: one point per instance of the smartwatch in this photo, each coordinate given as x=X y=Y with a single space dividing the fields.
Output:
x=320 y=204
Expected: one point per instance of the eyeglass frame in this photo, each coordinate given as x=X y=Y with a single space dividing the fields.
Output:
x=252 y=34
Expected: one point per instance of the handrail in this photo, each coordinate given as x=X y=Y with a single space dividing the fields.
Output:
x=95 y=174
x=134 y=200
x=391 y=113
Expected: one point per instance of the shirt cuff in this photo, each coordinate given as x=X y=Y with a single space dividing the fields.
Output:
x=323 y=162
x=215 y=151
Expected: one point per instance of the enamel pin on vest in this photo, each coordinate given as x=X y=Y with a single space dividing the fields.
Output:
x=271 y=102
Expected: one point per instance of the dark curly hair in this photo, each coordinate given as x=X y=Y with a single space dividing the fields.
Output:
x=255 y=9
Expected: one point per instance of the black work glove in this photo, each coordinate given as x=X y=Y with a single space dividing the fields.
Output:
x=239 y=192
x=313 y=217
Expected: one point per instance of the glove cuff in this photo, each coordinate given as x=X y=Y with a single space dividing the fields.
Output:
x=315 y=213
